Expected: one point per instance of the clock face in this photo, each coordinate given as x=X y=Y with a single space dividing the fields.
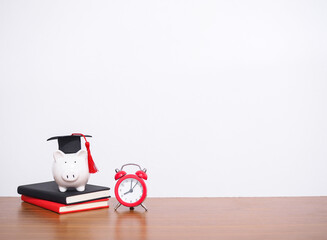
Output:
x=130 y=190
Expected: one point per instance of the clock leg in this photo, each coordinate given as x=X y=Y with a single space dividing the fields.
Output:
x=131 y=208
x=144 y=207
x=117 y=206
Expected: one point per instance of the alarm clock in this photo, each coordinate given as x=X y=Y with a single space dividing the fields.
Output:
x=130 y=189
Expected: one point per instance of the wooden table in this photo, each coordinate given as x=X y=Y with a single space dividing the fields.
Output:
x=173 y=218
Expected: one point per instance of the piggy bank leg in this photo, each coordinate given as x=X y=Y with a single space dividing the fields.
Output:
x=62 y=189
x=81 y=188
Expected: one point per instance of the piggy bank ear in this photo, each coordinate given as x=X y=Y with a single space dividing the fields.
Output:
x=58 y=154
x=82 y=153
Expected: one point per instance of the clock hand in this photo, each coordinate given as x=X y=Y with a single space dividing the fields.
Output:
x=128 y=191
x=131 y=189
x=134 y=185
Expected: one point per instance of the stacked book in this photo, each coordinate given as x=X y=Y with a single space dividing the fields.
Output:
x=48 y=196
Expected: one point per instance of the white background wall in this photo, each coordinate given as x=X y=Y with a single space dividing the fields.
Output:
x=215 y=98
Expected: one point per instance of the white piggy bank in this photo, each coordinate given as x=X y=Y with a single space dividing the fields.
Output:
x=70 y=170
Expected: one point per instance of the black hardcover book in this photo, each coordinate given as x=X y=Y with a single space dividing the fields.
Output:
x=49 y=191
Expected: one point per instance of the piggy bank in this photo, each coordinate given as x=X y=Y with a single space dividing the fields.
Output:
x=70 y=170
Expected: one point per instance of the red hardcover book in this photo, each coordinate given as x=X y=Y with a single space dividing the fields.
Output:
x=63 y=208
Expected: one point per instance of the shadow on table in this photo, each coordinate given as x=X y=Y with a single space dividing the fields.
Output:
x=130 y=225
x=80 y=225
x=97 y=224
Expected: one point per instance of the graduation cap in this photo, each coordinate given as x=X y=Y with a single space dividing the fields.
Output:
x=72 y=144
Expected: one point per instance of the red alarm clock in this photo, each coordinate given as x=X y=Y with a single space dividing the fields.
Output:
x=130 y=189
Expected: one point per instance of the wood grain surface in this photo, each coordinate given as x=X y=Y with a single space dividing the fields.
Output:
x=173 y=218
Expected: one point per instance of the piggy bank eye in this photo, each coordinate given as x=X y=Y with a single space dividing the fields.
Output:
x=65 y=162
x=74 y=161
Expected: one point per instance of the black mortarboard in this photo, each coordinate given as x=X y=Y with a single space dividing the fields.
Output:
x=69 y=143
x=72 y=144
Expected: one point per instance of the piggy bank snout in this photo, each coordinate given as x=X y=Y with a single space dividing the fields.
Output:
x=70 y=176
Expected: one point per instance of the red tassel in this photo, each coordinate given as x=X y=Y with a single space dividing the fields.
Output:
x=92 y=167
